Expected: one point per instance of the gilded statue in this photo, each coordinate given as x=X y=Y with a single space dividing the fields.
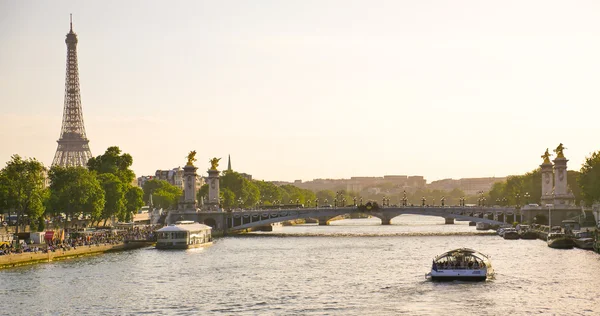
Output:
x=214 y=163
x=546 y=156
x=191 y=157
x=559 y=151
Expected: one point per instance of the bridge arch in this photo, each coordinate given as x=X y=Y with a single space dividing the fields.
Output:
x=210 y=222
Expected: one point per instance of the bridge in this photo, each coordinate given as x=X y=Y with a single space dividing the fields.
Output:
x=245 y=219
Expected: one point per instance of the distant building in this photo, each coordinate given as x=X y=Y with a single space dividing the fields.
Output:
x=470 y=186
x=143 y=179
x=175 y=177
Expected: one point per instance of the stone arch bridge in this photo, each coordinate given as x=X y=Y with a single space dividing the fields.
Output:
x=245 y=219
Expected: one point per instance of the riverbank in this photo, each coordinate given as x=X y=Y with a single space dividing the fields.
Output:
x=20 y=259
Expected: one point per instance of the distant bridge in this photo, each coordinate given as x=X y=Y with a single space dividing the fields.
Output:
x=244 y=219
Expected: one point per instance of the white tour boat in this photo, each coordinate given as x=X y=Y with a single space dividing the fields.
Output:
x=184 y=235
x=461 y=264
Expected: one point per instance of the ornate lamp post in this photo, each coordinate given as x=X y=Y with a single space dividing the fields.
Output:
x=335 y=202
x=526 y=196
x=317 y=202
x=518 y=199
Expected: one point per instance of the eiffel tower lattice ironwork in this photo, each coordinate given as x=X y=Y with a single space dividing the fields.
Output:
x=73 y=145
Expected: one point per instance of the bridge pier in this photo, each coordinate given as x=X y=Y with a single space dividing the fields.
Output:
x=323 y=221
x=386 y=221
x=449 y=220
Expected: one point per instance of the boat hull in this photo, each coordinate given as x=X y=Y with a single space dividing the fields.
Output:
x=511 y=235
x=529 y=235
x=561 y=243
x=459 y=275
x=584 y=243
x=176 y=246
x=458 y=278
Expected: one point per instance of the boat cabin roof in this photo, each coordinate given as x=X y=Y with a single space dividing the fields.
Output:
x=464 y=252
x=183 y=226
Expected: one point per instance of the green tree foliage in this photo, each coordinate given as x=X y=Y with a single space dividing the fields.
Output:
x=114 y=195
x=589 y=179
x=22 y=188
x=326 y=195
x=133 y=202
x=202 y=193
x=268 y=192
x=515 y=189
x=227 y=198
x=245 y=191
x=164 y=194
x=75 y=191
x=112 y=161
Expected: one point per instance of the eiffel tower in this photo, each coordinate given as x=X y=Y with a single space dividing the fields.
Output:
x=73 y=148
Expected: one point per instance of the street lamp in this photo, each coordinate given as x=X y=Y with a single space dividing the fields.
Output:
x=443 y=201
x=335 y=202
x=317 y=202
x=526 y=196
x=423 y=200
x=518 y=199
x=354 y=200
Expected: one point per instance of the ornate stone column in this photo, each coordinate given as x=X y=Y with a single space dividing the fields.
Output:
x=213 y=186
x=562 y=197
x=547 y=182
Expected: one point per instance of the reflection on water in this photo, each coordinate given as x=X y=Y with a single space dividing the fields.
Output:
x=323 y=273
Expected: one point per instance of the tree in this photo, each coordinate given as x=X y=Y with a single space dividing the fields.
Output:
x=164 y=194
x=114 y=195
x=22 y=188
x=268 y=192
x=75 y=191
x=202 y=193
x=326 y=195
x=113 y=162
x=243 y=189
x=133 y=202
x=228 y=198
x=589 y=179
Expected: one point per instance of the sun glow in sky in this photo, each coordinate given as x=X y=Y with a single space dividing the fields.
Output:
x=309 y=89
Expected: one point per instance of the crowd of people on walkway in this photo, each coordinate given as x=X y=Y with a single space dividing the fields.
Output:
x=76 y=239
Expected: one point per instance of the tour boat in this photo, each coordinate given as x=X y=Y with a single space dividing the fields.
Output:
x=462 y=264
x=560 y=241
x=184 y=235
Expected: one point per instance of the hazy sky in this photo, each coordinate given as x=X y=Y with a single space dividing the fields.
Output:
x=309 y=89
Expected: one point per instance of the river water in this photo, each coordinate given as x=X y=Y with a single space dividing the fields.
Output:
x=353 y=267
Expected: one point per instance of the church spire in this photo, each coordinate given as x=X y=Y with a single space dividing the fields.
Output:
x=228 y=162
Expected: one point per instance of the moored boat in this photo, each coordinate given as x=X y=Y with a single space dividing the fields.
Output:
x=462 y=264
x=583 y=240
x=510 y=233
x=560 y=241
x=184 y=235
x=482 y=226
